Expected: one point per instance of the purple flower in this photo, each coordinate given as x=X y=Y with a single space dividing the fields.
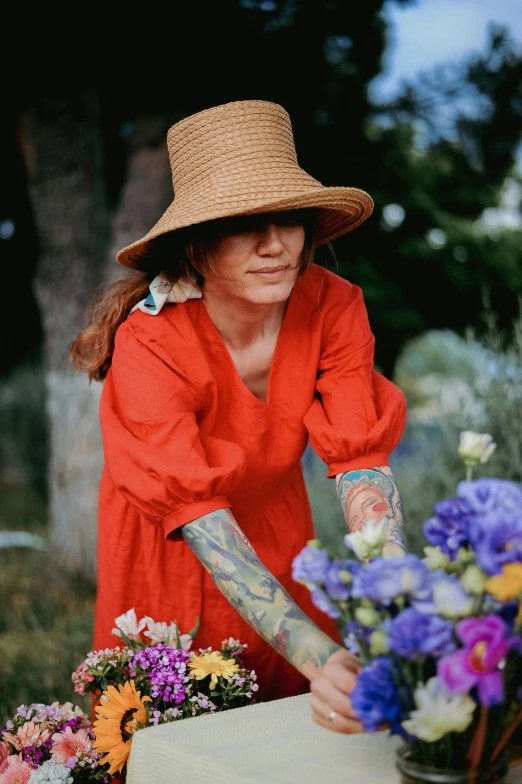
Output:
x=375 y=698
x=491 y=495
x=412 y=634
x=496 y=538
x=323 y=603
x=166 y=669
x=310 y=566
x=386 y=578
x=449 y=528
x=479 y=662
x=334 y=586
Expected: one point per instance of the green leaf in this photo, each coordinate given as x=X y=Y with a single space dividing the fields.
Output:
x=126 y=639
x=195 y=630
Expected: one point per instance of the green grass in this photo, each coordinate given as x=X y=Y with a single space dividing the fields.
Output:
x=45 y=619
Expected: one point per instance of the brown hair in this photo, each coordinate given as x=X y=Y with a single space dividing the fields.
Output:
x=184 y=253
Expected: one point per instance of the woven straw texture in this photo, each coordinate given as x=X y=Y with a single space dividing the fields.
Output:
x=240 y=159
x=270 y=743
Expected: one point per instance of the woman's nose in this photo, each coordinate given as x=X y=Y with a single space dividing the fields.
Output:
x=270 y=242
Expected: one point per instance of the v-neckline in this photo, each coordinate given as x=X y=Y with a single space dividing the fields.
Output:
x=277 y=350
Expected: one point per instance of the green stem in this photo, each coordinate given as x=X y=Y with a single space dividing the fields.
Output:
x=448 y=750
x=469 y=472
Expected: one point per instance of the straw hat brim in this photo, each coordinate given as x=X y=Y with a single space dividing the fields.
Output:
x=340 y=210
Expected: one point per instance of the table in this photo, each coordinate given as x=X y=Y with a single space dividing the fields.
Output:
x=270 y=743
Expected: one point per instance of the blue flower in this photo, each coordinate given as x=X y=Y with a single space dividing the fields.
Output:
x=323 y=603
x=334 y=586
x=357 y=630
x=311 y=565
x=491 y=495
x=412 y=634
x=375 y=698
x=449 y=528
x=386 y=578
x=496 y=538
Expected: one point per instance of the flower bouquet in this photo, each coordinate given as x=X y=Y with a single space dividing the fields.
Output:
x=151 y=678
x=439 y=638
x=49 y=743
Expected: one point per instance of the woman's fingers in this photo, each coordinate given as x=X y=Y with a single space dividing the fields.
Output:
x=331 y=694
x=322 y=715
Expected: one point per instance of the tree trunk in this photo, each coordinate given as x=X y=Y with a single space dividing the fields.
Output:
x=64 y=157
x=63 y=151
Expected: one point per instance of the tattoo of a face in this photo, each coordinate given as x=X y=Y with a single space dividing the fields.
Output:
x=372 y=494
x=254 y=592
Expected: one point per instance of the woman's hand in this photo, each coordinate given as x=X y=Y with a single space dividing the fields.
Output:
x=331 y=707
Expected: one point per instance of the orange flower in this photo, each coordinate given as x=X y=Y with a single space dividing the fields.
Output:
x=507 y=585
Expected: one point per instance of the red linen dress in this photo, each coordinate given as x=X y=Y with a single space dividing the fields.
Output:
x=183 y=436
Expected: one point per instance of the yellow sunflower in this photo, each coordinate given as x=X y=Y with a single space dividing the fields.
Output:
x=117 y=719
x=212 y=664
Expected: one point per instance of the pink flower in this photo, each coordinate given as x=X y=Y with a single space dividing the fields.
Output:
x=16 y=772
x=80 y=677
x=5 y=752
x=28 y=735
x=70 y=744
x=479 y=662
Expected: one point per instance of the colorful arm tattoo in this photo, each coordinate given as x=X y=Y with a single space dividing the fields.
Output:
x=229 y=558
x=372 y=494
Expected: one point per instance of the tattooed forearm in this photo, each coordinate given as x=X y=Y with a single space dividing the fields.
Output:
x=254 y=592
x=372 y=494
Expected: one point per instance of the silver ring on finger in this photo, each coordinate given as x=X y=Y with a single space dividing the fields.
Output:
x=332 y=715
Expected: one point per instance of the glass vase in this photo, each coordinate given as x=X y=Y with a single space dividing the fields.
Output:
x=415 y=773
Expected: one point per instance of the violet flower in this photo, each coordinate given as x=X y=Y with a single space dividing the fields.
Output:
x=334 y=586
x=166 y=668
x=479 y=662
x=412 y=634
x=375 y=698
x=490 y=495
x=384 y=579
x=310 y=565
x=449 y=528
x=323 y=603
x=496 y=538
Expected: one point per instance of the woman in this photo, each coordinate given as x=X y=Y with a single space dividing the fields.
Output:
x=208 y=403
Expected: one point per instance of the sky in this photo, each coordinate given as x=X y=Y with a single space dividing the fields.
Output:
x=429 y=32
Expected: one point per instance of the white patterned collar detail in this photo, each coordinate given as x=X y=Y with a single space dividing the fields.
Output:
x=163 y=290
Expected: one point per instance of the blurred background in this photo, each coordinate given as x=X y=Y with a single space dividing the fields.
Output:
x=419 y=103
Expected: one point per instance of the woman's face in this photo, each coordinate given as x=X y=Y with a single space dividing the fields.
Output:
x=256 y=258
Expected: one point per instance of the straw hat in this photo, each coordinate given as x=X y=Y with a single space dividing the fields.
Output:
x=240 y=159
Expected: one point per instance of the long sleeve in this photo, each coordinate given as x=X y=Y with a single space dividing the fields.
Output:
x=154 y=451
x=357 y=416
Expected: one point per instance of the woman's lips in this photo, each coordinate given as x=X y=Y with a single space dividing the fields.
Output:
x=270 y=274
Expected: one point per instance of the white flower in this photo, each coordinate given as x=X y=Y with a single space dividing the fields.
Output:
x=474 y=580
x=451 y=601
x=475 y=447
x=51 y=772
x=370 y=540
x=160 y=632
x=435 y=558
x=438 y=712
x=128 y=624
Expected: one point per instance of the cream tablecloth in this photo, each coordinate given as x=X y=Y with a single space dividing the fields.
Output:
x=270 y=743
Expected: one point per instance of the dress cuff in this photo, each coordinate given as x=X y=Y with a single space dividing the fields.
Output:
x=175 y=520
x=358 y=463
